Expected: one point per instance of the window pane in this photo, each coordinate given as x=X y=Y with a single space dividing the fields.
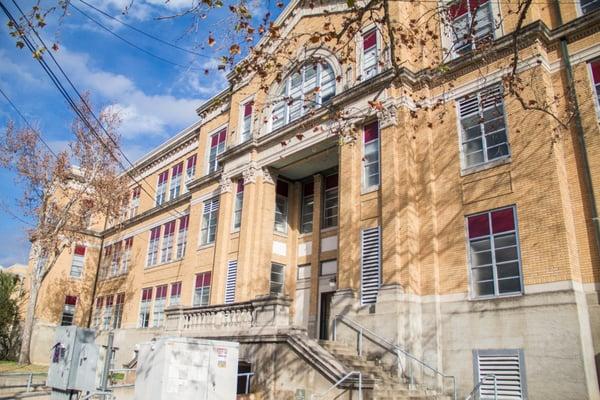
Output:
x=483 y=258
x=505 y=240
x=509 y=285
x=478 y=225
x=483 y=274
x=496 y=152
x=473 y=146
x=509 y=270
x=506 y=254
x=484 y=288
x=479 y=245
x=503 y=220
x=496 y=138
x=474 y=158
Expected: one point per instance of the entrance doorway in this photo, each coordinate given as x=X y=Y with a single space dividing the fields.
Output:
x=324 y=315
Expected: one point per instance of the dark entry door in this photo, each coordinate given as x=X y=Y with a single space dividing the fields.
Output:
x=325 y=315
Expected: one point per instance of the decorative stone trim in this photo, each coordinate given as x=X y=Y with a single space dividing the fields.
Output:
x=269 y=176
x=251 y=173
x=225 y=185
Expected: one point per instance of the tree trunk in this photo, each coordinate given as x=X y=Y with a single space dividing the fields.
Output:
x=29 y=322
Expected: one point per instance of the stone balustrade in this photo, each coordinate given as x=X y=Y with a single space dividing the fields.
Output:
x=262 y=315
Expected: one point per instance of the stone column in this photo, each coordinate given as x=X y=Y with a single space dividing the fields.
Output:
x=219 y=275
x=314 y=258
x=264 y=232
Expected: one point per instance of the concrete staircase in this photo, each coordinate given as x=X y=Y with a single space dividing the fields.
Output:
x=383 y=384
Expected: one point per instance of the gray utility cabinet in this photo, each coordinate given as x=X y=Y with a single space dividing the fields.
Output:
x=186 y=369
x=74 y=358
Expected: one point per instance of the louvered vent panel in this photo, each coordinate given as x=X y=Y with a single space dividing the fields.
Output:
x=370 y=271
x=211 y=205
x=231 y=281
x=508 y=376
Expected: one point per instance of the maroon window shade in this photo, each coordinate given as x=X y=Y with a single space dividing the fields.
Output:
x=177 y=169
x=461 y=7
x=129 y=242
x=169 y=228
x=99 y=302
x=71 y=300
x=147 y=294
x=240 y=186
x=331 y=181
x=248 y=109
x=107 y=250
x=109 y=301
x=155 y=233
x=596 y=71
x=370 y=39
x=191 y=162
x=218 y=138
x=184 y=222
x=80 y=250
x=117 y=247
x=176 y=289
x=478 y=226
x=222 y=135
x=503 y=220
x=120 y=298
x=203 y=280
x=308 y=189
x=162 y=178
x=371 y=131
x=161 y=292
x=282 y=188
x=136 y=192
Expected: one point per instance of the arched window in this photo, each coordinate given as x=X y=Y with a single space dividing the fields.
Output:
x=305 y=89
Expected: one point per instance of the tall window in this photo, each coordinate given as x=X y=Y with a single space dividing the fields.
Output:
x=68 y=313
x=153 y=246
x=145 y=306
x=108 y=310
x=160 y=301
x=371 y=155
x=182 y=235
x=238 y=204
x=277 y=279
x=304 y=90
x=176 y=174
x=116 y=259
x=281 y=207
x=135 y=201
x=217 y=146
x=483 y=128
x=494 y=253
x=167 y=242
x=306 y=215
x=190 y=169
x=587 y=6
x=595 y=70
x=246 y=131
x=330 y=201
x=126 y=258
x=202 y=289
x=175 y=298
x=98 y=311
x=369 y=55
x=106 y=260
x=209 y=221
x=118 y=316
x=161 y=187
x=78 y=260
x=472 y=24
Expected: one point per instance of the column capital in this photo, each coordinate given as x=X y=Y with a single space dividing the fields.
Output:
x=269 y=176
x=250 y=173
x=387 y=116
x=225 y=185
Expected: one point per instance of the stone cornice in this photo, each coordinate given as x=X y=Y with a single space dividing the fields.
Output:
x=166 y=153
x=203 y=180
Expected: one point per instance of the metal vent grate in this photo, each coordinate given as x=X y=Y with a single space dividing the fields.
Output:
x=506 y=366
x=231 y=281
x=370 y=268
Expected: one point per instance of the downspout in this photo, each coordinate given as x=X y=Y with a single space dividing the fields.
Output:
x=587 y=174
x=101 y=252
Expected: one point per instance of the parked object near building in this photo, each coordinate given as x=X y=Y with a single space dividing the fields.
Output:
x=73 y=363
x=186 y=369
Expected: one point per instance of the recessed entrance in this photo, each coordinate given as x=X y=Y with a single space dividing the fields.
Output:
x=324 y=315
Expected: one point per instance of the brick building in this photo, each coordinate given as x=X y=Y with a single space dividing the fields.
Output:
x=461 y=235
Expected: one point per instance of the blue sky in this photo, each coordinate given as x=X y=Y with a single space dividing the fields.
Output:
x=156 y=100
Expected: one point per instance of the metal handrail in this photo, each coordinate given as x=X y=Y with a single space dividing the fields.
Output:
x=349 y=374
x=391 y=347
x=29 y=376
x=478 y=386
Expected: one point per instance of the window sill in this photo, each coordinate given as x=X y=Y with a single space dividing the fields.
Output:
x=496 y=297
x=281 y=234
x=162 y=264
x=206 y=246
x=329 y=229
x=486 y=166
x=235 y=232
x=368 y=190
x=112 y=277
x=305 y=235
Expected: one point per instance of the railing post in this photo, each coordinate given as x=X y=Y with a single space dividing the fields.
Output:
x=359 y=385
x=29 y=382
x=399 y=364
x=410 y=371
x=334 y=330
x=495 y=388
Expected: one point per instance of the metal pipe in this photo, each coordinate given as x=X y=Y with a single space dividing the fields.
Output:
x=495 y=388
x=107 y=362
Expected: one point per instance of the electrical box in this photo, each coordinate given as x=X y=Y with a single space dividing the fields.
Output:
x=74 y=358
x=187 y=369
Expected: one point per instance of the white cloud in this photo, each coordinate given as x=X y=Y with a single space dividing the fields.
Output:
x=143 y=114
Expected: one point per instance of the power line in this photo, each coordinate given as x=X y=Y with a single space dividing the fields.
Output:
x=27 y=122
x=70 y=100
x=143 y=32
x=135 y=46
